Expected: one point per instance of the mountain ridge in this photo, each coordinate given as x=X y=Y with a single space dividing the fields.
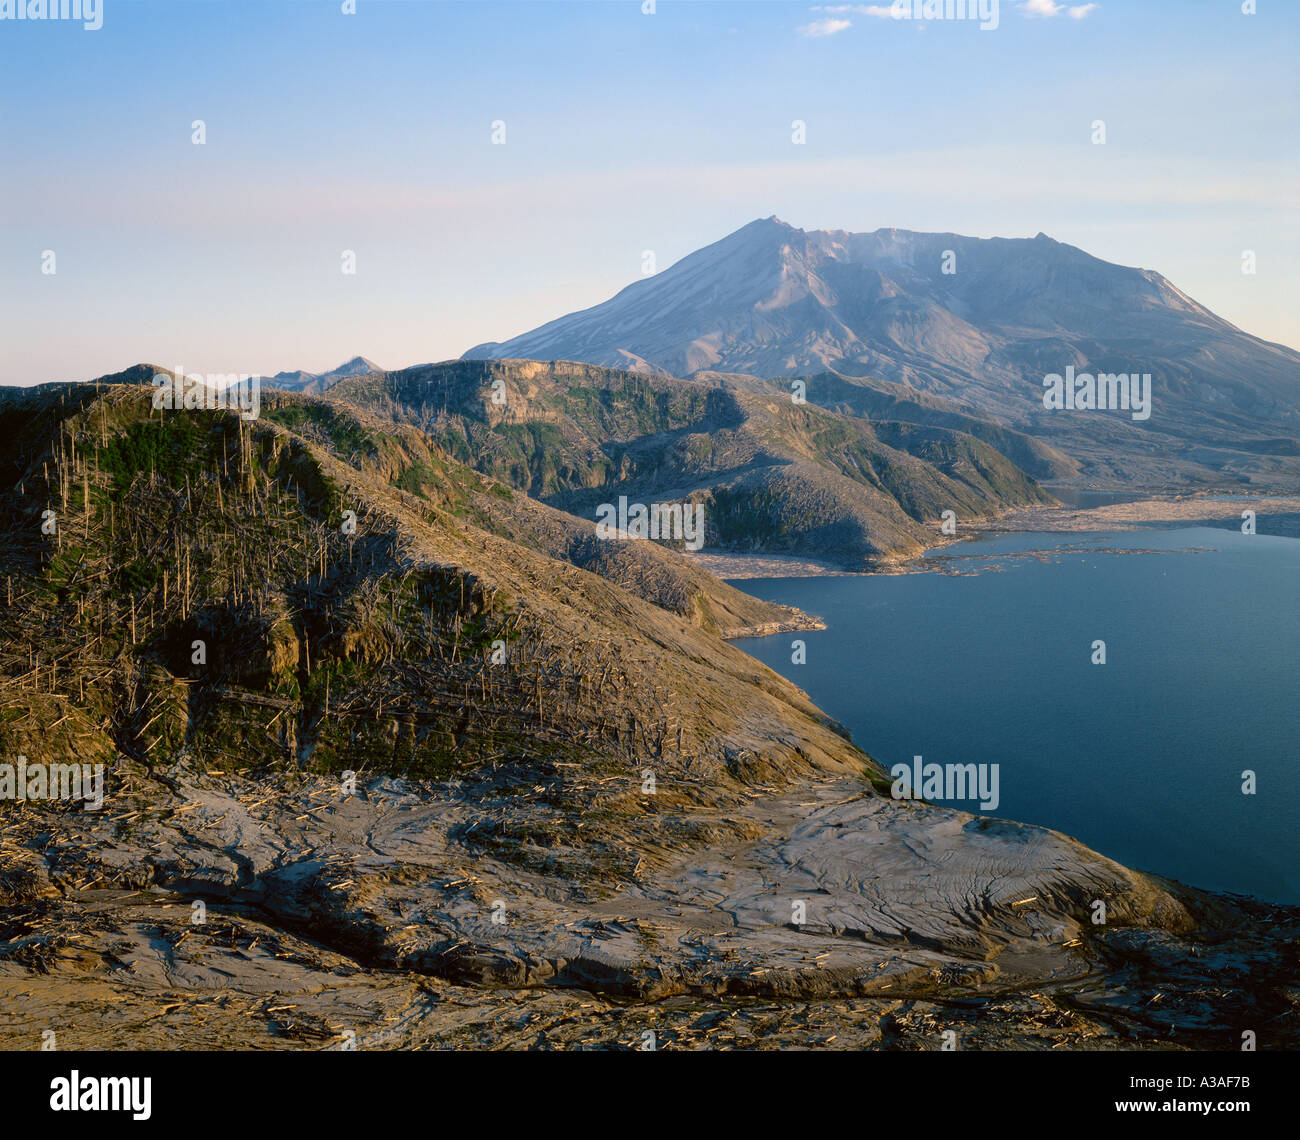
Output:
x=976 y=321
x=773 y=474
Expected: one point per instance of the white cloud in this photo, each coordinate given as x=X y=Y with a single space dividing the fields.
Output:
x=1030 y=8
x=824 y=28
x=880 y=11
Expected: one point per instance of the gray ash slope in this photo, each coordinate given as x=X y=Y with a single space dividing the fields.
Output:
x=413 y=915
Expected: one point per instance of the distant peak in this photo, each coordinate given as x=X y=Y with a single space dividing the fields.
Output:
x=770 y=222
x=358 y=362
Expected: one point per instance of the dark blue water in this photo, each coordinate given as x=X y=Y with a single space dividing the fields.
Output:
x=1140 y=758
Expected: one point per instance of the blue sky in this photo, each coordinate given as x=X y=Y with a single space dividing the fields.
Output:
x=625 y=132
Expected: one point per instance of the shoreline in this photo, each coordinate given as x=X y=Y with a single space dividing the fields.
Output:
x=1151 y=513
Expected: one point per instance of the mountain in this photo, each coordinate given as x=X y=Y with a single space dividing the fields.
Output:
x=775 y=301
x=772 y=475
x=317 y=382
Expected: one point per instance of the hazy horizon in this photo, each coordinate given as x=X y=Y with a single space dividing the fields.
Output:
x=624 y=132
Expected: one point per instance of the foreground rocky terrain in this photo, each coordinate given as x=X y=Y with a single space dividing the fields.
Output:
x=397 y=917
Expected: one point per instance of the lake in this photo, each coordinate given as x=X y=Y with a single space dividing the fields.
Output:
x=1142 y=757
